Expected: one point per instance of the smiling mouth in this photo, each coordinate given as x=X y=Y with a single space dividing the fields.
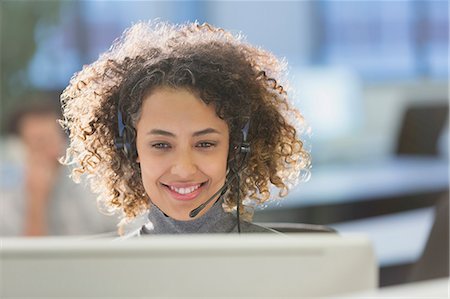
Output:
x=182 y=192
x=185 y=190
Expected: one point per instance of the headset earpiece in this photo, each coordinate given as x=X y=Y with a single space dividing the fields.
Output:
x=244 y=147
x=122 y=141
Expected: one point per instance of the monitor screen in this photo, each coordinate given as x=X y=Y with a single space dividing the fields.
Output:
x=194 y=266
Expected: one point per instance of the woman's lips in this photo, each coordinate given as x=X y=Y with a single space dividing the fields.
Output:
x=184 y=191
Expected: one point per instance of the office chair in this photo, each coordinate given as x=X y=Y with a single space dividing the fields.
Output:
x=421 y=128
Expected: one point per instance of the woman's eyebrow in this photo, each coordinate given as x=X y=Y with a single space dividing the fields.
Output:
x=205 y=131
x=161 y=132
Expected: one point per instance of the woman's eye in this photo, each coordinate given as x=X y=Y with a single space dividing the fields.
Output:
x=161 y=145
x=205 y=144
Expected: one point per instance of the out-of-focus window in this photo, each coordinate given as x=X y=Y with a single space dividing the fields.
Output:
x=384 y=40
x=436 y=38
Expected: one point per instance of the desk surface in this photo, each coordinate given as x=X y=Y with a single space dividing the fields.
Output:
x=436 y=288
x=358 y=182
x=397 y=238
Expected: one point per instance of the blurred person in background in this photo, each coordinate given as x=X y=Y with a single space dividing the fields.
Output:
x=38 y=197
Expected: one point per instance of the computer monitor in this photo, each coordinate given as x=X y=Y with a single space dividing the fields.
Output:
x=196 y=266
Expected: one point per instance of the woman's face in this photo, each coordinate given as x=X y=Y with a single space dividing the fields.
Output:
x=182 y=148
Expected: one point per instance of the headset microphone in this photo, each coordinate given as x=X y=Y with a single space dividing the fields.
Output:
x=197 y=210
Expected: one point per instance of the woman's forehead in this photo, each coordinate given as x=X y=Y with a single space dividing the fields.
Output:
x=169 y=108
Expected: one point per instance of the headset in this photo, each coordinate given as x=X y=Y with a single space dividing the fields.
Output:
x=242 y=151
x=123 y=139
x=124 y=144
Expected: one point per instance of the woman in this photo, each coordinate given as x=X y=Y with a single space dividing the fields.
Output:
x=184 y=124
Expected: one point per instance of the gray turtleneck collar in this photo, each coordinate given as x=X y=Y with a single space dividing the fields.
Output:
x=215 y=220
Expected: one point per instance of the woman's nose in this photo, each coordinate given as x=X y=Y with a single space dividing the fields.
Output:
x=184 y=165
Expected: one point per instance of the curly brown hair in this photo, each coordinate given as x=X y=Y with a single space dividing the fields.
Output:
x=223 y=70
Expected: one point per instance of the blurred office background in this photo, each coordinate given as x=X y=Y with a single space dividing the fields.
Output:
x=371 y=78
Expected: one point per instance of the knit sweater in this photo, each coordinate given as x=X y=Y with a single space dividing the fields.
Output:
x=215 y=220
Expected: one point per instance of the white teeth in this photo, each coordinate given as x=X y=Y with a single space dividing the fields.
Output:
x=185 y=190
